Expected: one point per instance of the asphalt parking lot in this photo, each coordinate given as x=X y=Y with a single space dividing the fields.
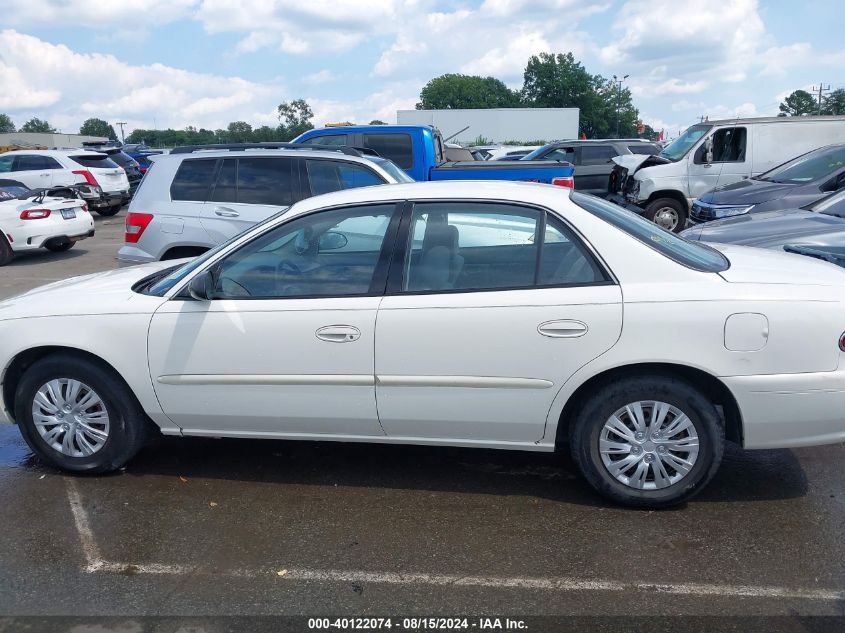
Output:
x=197 y=526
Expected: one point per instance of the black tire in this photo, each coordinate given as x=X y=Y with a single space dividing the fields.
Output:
x=668 y=213
x=6 y=254
x=109 y=211
x=60 y=248
x=586 y=430
x=127 y=424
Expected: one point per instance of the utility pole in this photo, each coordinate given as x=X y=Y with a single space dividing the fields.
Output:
x=820 y=90
x=618 y=83
x=121 y=124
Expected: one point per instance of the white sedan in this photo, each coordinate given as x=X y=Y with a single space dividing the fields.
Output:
x=30 y=221
x=480 y=314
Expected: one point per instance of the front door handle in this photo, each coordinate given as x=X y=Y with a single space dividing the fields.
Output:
x=338 y=333
x=223 y=212
x=565 y=328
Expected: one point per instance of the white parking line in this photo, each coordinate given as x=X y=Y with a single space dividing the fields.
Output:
x=96 y=563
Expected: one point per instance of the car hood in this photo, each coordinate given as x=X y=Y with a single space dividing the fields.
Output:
x=633 y=162
x=747 y=191
x=761 y=266
x=100 y=293
x=772 y=229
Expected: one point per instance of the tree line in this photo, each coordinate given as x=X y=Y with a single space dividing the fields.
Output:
x=801 y=103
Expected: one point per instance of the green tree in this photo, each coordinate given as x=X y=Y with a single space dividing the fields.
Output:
x=834 y=103
x=800 y=102
x=560 y=81
x=466 y=91
x=239 y=132
x=37 y=125
x=377 y=122
x=6 y=124
x=295 y=118
x=98 y=127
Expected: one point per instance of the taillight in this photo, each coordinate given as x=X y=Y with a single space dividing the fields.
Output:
x=842 y=342
x=564 y=181
x=35 y=214
x=89 y=177
x=136 y=224
x=84 y=207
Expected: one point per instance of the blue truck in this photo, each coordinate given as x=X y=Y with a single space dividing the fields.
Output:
x=418 y=149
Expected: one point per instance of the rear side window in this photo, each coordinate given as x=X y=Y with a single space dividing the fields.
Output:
x=34 y=163
x=333 y=140
x=596 y=154
x=325 y=176
x=193 y=179
x=396 y=147
x=95 y=161
x=644 y=148
x=690 y=254
x=265 y=180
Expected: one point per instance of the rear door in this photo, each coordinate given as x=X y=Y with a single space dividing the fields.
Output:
x=484 y=322
x=247 y=190
x=34 y=170
x=592 y=168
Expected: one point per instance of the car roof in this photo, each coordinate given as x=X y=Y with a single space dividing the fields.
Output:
x=56 y=152
x=512 y=191
x=222 y=153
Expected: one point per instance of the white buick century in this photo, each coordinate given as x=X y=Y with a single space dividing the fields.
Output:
x=497 y=315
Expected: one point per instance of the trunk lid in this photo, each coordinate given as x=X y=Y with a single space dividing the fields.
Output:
x=762 y=266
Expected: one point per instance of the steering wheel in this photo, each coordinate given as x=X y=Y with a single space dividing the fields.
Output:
x=287 y=268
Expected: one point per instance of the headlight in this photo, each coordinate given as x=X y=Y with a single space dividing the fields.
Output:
x=727 y=212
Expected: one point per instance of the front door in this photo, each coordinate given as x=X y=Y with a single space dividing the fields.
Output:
x=34 y=170
x=246 y=191
x=487 y=322
x=731 y=161
x=285 y=347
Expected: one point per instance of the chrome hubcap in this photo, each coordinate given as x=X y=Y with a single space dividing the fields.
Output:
x=70 y=417
x=648 y=445
x=666 y=217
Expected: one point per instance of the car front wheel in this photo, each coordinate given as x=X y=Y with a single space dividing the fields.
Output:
x=667 y=213
x=78 y=416
x=650 y=441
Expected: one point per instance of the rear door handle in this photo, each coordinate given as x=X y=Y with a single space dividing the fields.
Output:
x=565 y=328
x=223 y=212
x=338 y=333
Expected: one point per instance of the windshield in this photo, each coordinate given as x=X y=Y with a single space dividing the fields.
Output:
x=690 y=254
x=391 y=168
x=96 y=161
x=9 y=192
x=833 y=204
x=808 y=167
x=678 y=148
x=536 y=153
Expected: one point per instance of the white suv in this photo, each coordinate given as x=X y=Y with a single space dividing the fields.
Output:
x=199 y=196
x=104 y=185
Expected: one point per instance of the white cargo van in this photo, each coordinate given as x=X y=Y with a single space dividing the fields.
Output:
x=710 y=154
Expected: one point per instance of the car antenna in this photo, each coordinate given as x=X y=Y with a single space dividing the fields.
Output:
x=449 y=138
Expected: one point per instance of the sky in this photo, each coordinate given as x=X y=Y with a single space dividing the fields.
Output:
x=175 y=63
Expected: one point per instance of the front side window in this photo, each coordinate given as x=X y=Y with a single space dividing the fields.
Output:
x=225 y=187
x=265 y=180
x=6 y=163
x=693 y=255
x=489 y=246
x=329 y=140
x=325 y=254
x=396 y=147
x=728 y=146
x=193 y=179
x=596 y=154
x=325 y=176
x=808 y=167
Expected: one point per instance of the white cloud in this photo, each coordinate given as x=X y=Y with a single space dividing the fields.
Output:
x=321 y=77
x=98 y=13
x=139 y=95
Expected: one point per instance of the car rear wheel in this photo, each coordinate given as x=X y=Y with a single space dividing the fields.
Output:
x=59 y=247
x=107 y=212
x=651 y=441
x=6 y=254
x=77 y=415
x=667 y=213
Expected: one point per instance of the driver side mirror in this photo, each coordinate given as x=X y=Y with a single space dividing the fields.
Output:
x=332 y=240
x=708 y=150
x=201 y=287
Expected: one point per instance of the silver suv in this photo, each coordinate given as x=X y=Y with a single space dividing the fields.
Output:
x=199 y=196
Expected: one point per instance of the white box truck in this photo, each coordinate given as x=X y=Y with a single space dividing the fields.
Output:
x=711 y=154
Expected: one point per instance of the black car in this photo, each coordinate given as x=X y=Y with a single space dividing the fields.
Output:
x=796 y=183
x=813 y=229
x=593 y=159
x=124 y=160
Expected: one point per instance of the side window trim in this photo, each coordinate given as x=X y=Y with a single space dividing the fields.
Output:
x=396 y=273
